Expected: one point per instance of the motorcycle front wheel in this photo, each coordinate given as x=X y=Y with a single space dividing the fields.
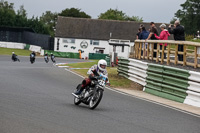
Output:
x=77 y=101
x=95 y=100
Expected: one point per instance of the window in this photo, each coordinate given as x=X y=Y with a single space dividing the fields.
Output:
x=94 y=42
x=122 y=49
x=69 y=41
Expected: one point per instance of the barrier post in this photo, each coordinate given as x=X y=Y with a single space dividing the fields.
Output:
x=176 y=54
x=157 y=52
x=184 y=55
x=195 y=57
x=147 y=51
x=162 y=58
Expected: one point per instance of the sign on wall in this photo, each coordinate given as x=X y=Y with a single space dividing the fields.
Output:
x=84 y=44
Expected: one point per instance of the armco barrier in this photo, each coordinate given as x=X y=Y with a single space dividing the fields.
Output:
x=164 y=81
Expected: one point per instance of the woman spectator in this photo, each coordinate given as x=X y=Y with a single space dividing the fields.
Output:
x=163 y=36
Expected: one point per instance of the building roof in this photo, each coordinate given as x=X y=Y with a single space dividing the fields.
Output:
x=84 y=28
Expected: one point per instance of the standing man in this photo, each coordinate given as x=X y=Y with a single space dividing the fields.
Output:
x=151 y=36
x=179 y=34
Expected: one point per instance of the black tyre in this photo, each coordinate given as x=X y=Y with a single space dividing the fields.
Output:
x=95 y=100
x=77 y=101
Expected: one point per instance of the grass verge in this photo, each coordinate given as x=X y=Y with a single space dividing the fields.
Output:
x=8 y=51
x=116 y=81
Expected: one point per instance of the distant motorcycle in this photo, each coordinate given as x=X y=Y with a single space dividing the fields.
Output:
x=16 y=59
x=46 y=58
x=93 y=93
x=32 y=58
x=53 y=59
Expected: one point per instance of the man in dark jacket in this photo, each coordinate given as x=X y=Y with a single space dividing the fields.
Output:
x=143 y=35
x=151 y=36
x=179 y=34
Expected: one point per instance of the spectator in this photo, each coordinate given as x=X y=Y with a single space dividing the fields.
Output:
x=152 y=36
x=179 y=34
x=163 y=36
x=138 y=34
x=144 y=34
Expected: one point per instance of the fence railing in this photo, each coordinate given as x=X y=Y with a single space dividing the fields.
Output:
x=145 y=50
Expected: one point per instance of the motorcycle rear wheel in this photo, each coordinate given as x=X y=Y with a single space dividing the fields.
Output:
x=95 y=100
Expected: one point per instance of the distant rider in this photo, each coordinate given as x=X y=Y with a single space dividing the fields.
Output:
x=46 y=56
x=32 y=55
x=95 y=70
x=52 y=57
x=14 y=56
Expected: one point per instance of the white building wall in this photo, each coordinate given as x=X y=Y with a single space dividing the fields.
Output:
x=74 y=47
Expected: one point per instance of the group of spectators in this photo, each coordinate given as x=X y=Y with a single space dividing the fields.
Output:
x=176 y=29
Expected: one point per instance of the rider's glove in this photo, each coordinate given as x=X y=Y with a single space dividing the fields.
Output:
x=92 y=74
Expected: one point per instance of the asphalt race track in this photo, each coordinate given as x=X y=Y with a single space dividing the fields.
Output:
x=36 y=98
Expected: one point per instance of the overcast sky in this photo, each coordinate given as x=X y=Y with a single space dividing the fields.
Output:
x=150 y=10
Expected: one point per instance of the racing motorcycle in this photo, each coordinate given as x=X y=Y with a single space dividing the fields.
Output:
x=93 y=93
x=32 y=58
x=53 y=59
x=16 y=59
x=46 y=59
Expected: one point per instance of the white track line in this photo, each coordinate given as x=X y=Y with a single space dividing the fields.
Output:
x=186 y=112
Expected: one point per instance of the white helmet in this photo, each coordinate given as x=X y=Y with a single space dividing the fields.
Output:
x=100 y=63
x=13 y=52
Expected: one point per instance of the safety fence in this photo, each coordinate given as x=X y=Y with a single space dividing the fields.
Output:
x=164 y=81
x=97 y=56
x=63 y=54
x=152 y=50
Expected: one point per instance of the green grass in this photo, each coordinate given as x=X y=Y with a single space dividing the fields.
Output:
x=115 y=80
x=8 y=51
x=82 y=64
x=198 y=40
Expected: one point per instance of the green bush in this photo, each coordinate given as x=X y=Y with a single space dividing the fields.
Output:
x=189 y=37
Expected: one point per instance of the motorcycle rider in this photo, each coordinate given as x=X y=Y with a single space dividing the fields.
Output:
x=46 y=55
x=32 y=55
x=14 y=56
x=95 y=70
x=52 y=57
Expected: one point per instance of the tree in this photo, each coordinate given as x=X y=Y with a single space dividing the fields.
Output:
x=74 y=12
x=7 y=13
x=173 y=20
x=49 y=19
x=189 y=16
x=21 y=17
x=118 y=15
x=38 y=26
